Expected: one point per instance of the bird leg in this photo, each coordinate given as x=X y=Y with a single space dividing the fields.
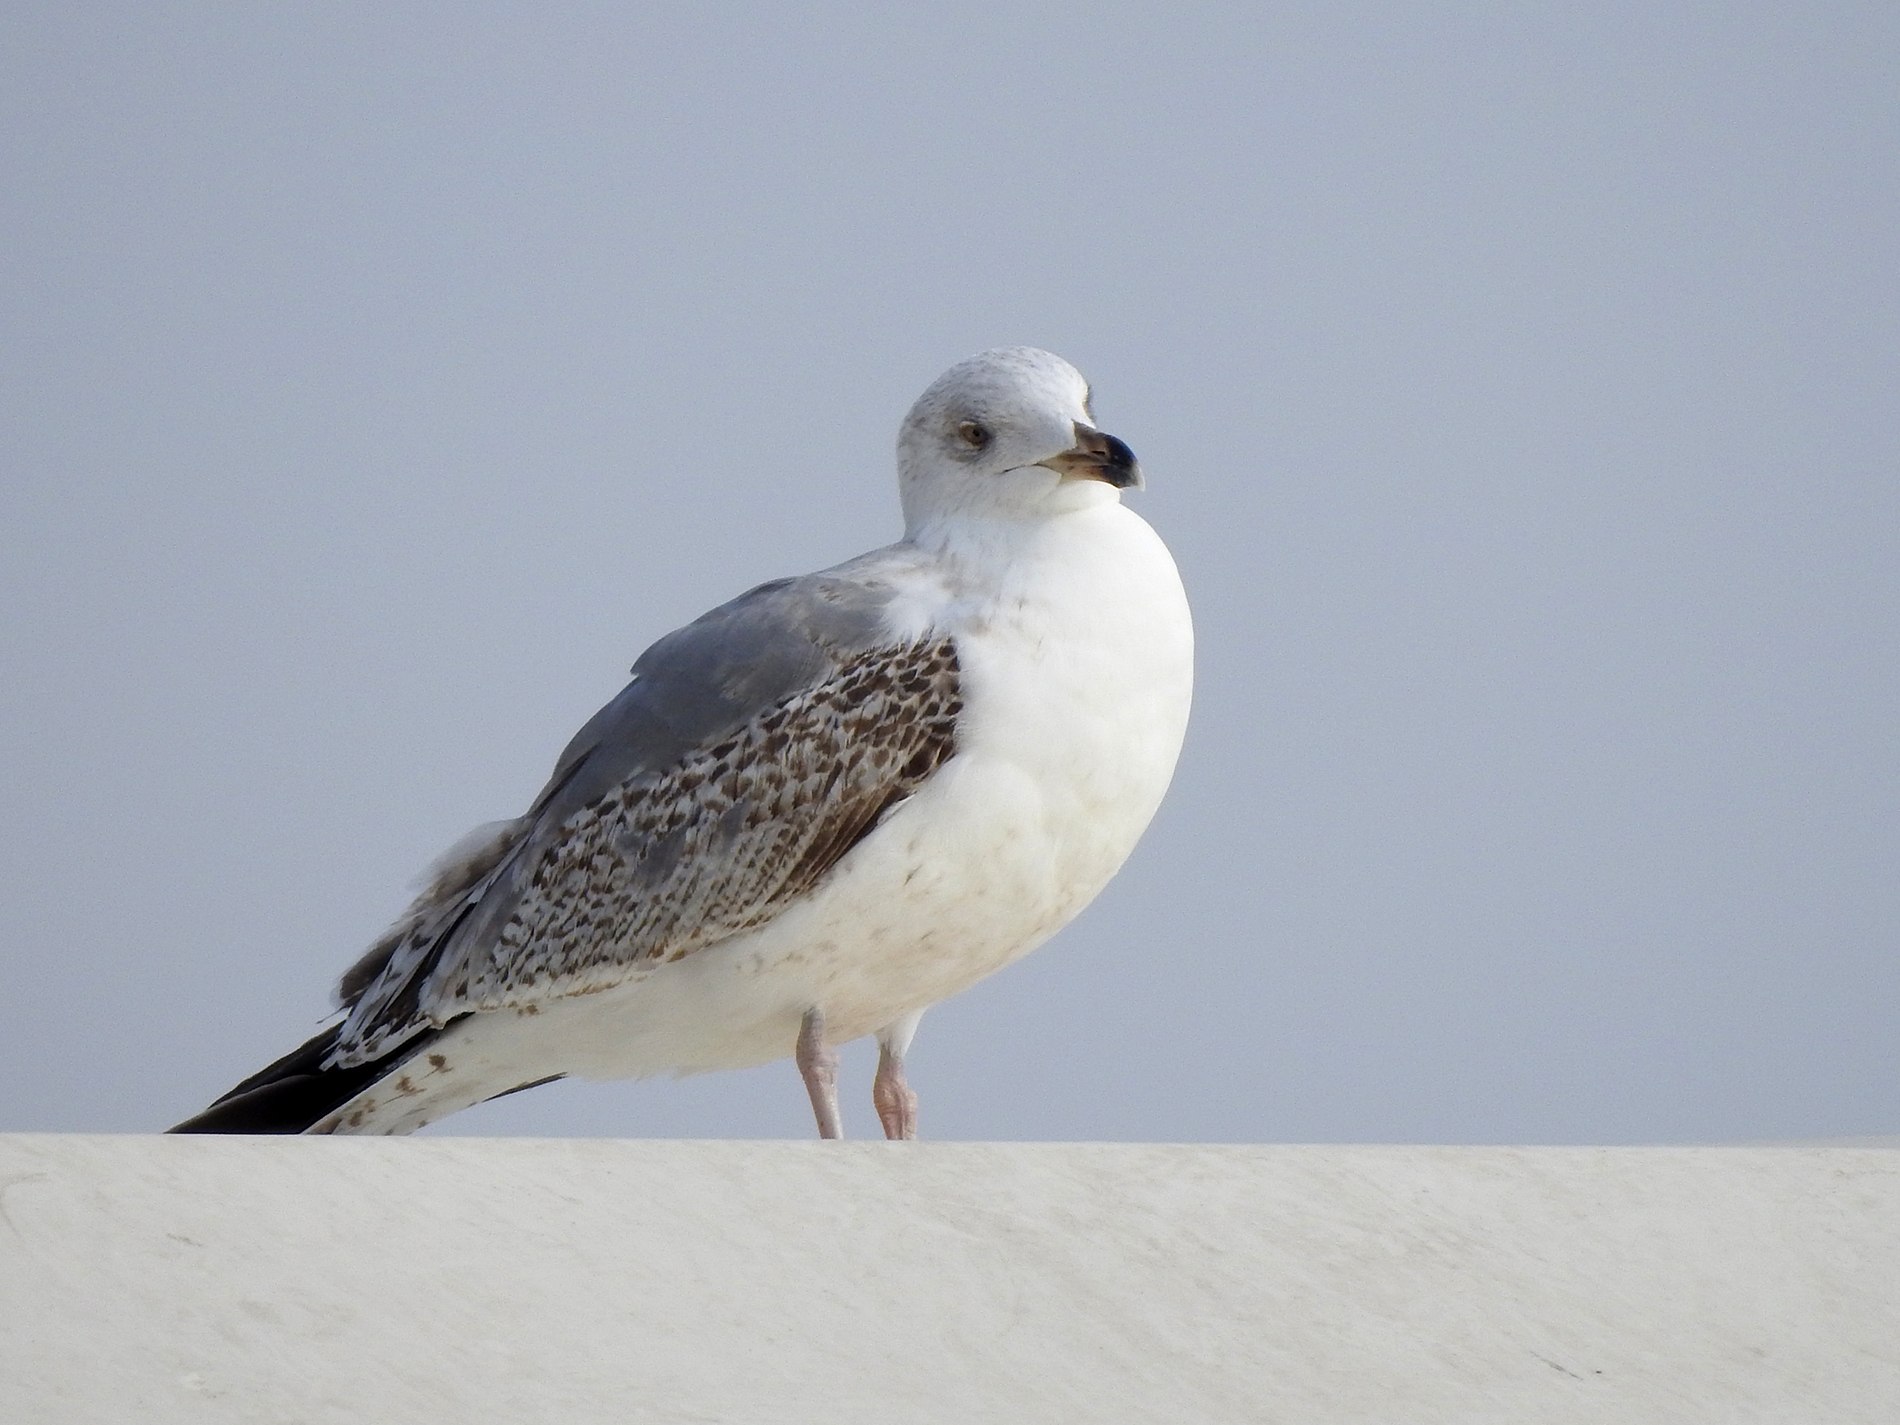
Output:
x=896 y=1104
x=818 y=1065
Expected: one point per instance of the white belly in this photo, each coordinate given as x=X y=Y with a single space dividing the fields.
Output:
x=1076 y=689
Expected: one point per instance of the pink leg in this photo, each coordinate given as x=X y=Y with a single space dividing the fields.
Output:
x=818 y=1065
x=896 y=1104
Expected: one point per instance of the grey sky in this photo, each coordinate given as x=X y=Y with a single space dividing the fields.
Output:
x=1516 y=388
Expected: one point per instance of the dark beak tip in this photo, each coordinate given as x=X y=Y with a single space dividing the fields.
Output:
x=1121 y=468
x=1097 y=455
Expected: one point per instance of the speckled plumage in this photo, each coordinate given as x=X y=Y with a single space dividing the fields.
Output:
x=673 y=858
x=814 y=812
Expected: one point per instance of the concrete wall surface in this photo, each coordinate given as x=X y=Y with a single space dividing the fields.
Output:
x=351 y=1280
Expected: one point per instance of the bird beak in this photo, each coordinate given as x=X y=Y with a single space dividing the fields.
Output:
x=1096 y=455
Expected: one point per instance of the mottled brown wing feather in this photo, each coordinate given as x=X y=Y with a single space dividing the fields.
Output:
x=670 y=861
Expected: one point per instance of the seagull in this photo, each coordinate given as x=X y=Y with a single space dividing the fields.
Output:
x=814 y=812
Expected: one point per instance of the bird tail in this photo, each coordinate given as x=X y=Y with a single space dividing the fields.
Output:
x=297 y=1092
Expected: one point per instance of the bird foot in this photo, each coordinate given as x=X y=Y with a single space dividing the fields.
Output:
x=896 y=1104
x=818 y=1066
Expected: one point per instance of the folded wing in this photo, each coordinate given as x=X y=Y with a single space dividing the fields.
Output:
x=752 y=750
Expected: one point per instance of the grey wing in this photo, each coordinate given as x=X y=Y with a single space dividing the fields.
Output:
x=752 y=750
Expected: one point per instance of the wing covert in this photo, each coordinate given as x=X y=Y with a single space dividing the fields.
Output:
x=752 y=750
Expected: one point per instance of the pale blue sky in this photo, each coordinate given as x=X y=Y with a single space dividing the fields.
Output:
x=1516 y=387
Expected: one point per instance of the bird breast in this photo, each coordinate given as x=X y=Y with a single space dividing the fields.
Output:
x=1076 y=678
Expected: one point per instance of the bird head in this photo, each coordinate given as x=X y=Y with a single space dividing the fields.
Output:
x=1008 y=433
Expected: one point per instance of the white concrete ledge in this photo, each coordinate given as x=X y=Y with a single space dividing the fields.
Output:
x=314 y=1281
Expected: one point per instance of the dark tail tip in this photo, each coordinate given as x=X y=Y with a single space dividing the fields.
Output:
x=296 y=1093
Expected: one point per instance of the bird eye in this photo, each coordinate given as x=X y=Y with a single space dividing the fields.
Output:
x=973 y=435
